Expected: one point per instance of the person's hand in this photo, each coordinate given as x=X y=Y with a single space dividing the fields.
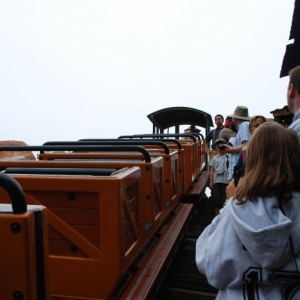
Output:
x=228 y=148
x=211 y=186
x=207 y=151
x=230 y=189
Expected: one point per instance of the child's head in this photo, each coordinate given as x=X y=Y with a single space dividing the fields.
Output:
x=219 y=143
x=273 y=164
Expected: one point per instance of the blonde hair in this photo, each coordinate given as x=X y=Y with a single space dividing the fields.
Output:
x=273 y=164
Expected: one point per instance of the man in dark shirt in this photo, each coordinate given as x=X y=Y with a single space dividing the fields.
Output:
x=213 y=135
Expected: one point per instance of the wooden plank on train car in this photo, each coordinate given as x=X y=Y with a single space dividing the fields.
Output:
x=145 y=281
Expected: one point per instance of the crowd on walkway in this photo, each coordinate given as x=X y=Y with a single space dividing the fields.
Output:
x=251 y=250
x=228 y=150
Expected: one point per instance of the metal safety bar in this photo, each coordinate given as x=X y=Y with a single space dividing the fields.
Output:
x=42 y=149
x=133 y=141
x=116 y=142
x=191 y=136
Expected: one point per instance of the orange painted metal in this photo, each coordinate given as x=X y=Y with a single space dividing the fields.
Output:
x=95 y=229
x=152 y=179
x=194 y=160
x=19 y=260
x=99 y=235
x=189 y=163
x=171 y=189
x=178 y=170
x=172 y=192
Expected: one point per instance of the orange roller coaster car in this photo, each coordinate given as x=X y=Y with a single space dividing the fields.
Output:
x=94 y=228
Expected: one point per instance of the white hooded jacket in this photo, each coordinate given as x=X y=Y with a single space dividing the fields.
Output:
x=246 y=251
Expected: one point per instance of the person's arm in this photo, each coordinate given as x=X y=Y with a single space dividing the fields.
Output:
x=242 y=138
x=230 y=149
x=211 y=177
x=230 y=189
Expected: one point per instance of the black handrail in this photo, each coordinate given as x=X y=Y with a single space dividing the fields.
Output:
x=61 y=171
x=191 y=136
x=42 y=149
x=179 y=146
x=116 y=142
x=198 y=134
x=15 y=192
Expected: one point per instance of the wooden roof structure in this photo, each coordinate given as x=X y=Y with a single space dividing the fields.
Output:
x=175 y=116
x=283 y=116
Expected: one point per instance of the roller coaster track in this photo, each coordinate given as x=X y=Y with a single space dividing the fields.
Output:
x=183 y=280
x=174 y=275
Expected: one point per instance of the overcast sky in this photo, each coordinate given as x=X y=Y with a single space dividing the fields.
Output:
x=96 y=69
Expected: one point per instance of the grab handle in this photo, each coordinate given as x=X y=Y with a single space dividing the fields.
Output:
x=15 y=192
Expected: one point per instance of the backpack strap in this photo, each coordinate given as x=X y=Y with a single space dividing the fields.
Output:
x=227 y=162
x=214 y=136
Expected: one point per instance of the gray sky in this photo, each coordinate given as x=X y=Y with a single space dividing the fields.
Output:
x=96 y=69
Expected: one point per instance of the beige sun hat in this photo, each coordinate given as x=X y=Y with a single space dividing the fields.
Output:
x=240 y=112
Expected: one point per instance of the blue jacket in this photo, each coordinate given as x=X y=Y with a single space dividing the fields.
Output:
x=210 y=136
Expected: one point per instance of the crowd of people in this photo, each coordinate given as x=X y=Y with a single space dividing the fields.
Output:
x=228 y=150
x=251 y=250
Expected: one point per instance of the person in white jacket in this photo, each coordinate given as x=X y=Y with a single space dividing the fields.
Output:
x=252 y=249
